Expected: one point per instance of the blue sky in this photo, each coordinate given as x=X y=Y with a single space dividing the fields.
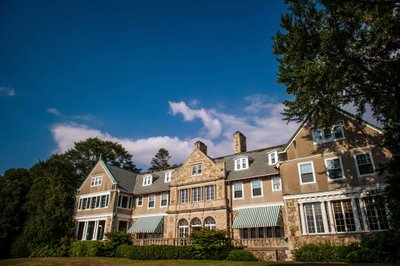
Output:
x=147 y=74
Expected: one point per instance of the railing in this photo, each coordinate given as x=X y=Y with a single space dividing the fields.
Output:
x=161 y=241
x=267 y=243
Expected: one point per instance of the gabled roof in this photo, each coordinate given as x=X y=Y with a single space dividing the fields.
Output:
x=350 y=115
x=125 y=179
x=258 y=164
x=158 y=184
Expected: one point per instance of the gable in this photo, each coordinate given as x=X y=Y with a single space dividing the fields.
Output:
x=107 y=179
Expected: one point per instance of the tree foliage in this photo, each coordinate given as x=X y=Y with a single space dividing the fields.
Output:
x=86 y=154
x=160 y=160
x=333 y=53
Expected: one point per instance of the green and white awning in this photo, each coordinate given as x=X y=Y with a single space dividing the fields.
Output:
x=258 y=217
x=148 y=224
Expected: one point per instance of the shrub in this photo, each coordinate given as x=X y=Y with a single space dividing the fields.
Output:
x=210 y=244
x=114 y=240
x=241 y=255
x=81 y=248
x=124 y=251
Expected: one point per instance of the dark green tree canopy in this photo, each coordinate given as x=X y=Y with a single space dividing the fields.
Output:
x=160 y=160
x=86 y=154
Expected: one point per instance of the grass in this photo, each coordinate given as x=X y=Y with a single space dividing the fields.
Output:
x=100 y=261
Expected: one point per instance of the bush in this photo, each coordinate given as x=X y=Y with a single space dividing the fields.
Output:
x=114 y=240
x=241 y=255
x=89 y=248
x=155 y=252
x=124 y=251
x=210 y=244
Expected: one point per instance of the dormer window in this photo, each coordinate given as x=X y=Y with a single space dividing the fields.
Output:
x=241 y=163
x=96 y=181
x=196 y=169
x=272 y=158
x=328 y=134
x=147 y=180
x=167 y=177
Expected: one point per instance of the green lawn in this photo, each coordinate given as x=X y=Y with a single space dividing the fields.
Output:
x=99 y=261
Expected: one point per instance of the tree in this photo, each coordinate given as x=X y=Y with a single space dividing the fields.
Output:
x=86 y=154
x=14 y=188
x=333 y=53
x=160 y=160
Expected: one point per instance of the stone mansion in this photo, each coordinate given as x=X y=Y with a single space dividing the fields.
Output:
x=321 y=185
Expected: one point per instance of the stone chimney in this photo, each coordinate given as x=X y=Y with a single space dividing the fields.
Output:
x=201 y=146
x=239 y=142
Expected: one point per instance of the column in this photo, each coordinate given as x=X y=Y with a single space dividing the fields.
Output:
x=324 y=218
x=331 y=217
x=303 y=222
x=355 y=214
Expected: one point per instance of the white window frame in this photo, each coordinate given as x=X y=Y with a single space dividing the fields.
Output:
x=96 y=181
x=128 y=202
x=275 y=153
x=327 y=170
x=314 y=217
x=241 y=163
x=147 y=180
x=233 y=190
x=322 y=134
x=357 y=166
x=148 y=201
x=196 y=194
x=197 y=169
x=313 y=173
x=141 y=201
x=166 y=199
x=252 y=188
x=280 y=183
x=184 y=196
x=168 y=177
x=210 y=192
x=85 y=202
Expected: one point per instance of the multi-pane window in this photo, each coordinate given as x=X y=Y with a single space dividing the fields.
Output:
x=376 y=214
x=241 y=163
x=183 y=228
x=147 y=180
x=272 y=158
x=344 y=217
x=210 y=193
x=196 y=194
x=164 y=199
x=96 y=181
x=256 y=188
x=238 y=190
x=167 y=177
x=196 y=169
x=184 y=195
x=139 y=201
x=152 y=201
x=364 y=164
x=87 y=203
x=328 y=134
x=125 y=201
x=334 y=168
x=261 y=232
x=276 y=184
x=314 y=218
x=209 y=223
x=306 y=172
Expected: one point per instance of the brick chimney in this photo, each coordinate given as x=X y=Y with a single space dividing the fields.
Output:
x=201 y=146
x=239 y=142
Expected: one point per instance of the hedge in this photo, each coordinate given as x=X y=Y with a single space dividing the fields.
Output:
x=241 y=255
x=86 y=248
x=155 y=252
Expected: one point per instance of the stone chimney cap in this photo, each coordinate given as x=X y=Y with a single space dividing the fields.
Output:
x=201 y=146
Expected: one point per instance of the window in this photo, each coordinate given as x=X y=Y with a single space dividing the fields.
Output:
x=210 y=194
x=195 y=224
x=184 y=195
x=122 y=226
x=241 y=163
x=261 y=232
x=164 y=199
x=276 y=184
x=376 y=214
x=104 y=201
x=94 y=202
x=328 y=134
x=140 y=201
x=344 y=217
x=124 y=201
x=314 y=218
x=167 y=177
x=238 y=191
x=183 y=227
x=364 y=164
x=334 y=168
x=196 y=194
x=306 y=172
x=272 y=158
x=96 y=181
x=209 y=223
x=152 y=201
x=256 y=188
x=147 y=180
x=196 y=169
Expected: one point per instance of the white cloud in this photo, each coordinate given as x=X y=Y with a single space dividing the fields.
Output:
x=53 y=111
x=261 y=131
x=7 y=91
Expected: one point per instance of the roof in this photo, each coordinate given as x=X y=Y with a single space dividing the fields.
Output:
x=157 y=185
x=258 y=164
x=125 y=178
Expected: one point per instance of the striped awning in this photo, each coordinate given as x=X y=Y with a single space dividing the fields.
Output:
x=148 y=224
x=258 y=217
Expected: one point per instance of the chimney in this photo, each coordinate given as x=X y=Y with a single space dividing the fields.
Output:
x=201 y=146
x=239 y=142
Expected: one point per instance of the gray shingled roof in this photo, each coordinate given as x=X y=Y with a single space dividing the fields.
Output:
x=258 y=164
x=125 y=179
x=158 y=184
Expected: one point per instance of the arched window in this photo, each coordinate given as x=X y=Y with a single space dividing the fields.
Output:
x=195 y=224
x=183 y=227
x=209 y=223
